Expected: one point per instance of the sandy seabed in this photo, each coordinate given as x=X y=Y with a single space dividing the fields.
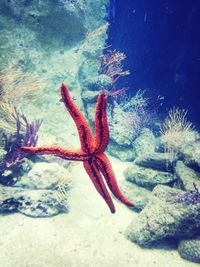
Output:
x=89 y=235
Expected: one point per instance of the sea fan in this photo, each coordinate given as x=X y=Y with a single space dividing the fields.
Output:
x=26 y=135
x=111 y=65
x=175 y=130
x=188 y=198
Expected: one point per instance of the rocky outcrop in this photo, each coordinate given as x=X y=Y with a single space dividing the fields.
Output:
x=148 y=178
x=145 y=143
x=162 y=218
x=189 y=249
x=123 y=145
x=157 y=161
x=188 y=178
x=122 y=152
x=43 y=175
x=191 y=155
x=136 y=194
x=34 y=203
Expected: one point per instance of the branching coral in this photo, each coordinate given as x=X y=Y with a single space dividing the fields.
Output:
x=111 y=65
x=15 y=84
x=62 y=189
x=188 y=198
x=26 y=134
x=133 y=114
x=175 y=129
x=97 y=32
x=7 y=121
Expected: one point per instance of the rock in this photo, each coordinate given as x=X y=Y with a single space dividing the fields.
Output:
x=97 y=83
x=188 y=177
x=49 y=13
x=157 y=161
x=40 y=203
x=43 y=175
x=2 y=153
x=34 y=203
x=89 y=68
x=27 y=165
x=189 y=249
x=90 y=112
x=136 y=194
x=145 y=143
x=124 y=153
x=162 y=219
x=90 y=96
x=148 y=178
x=191 y=155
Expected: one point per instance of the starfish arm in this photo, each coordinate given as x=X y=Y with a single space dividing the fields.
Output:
x=75 y=155
x=97 y=180
x=101 y=137
x=82 y=125
x=105 y=167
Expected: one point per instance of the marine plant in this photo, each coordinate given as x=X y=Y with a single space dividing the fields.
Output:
x=175 y=129
x=61 y=190
x=188 y=198
x=15 y=84
x=133 y=114
x=7 y=121
x=26 y=134
x=111 y=65
x=97 y=32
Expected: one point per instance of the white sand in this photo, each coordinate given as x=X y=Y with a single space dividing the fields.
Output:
x=89 y=235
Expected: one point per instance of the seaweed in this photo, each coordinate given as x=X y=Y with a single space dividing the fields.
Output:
x=111 y=65
x=188 y=198
x=25 y=135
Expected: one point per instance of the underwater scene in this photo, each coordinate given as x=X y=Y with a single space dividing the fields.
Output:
x=99 y=133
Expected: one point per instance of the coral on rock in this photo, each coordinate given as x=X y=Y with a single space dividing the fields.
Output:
x=26 y=134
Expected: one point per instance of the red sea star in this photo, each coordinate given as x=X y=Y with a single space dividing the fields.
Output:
x=92 y=149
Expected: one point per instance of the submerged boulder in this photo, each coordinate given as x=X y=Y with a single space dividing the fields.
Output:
x=38 y=15
x=136 y=194
x=188 y=177
x=147 y=177
x=145 y=143
x=189 y=249
x=123 y=145
x=43 y=175
x=163 y=218
x=122 y=152
x=157 y=161
x=191 y=155
x=97 y=83
x=34 y=203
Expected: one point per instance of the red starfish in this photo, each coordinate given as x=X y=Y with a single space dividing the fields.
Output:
x=92 y=149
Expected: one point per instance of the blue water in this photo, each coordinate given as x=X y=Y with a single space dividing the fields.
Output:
x=162 y=42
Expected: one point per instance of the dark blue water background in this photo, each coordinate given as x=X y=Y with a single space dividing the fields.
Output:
x=162 y=42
